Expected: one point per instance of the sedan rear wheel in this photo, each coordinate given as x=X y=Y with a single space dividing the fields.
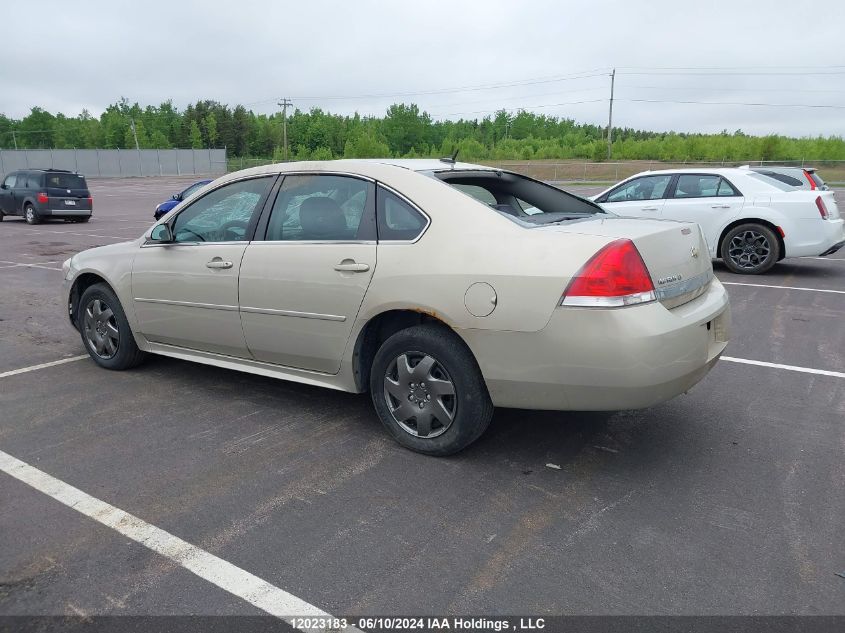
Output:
x=428 y=390
x=750 y=249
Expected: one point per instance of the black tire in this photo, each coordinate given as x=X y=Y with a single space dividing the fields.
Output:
x=81 y=220
x=469 y=405
x=750 y=249
x=99 y=314
x=30 y=214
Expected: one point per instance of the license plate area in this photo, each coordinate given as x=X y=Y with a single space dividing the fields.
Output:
x=70 y=203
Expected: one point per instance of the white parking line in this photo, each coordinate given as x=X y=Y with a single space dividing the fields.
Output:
x=23 y=370
x=207 y=566
x=805 y=370
x=737 y=283
x=17 y=265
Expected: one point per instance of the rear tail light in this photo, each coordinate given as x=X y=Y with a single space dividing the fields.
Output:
x=809 y=178
x=822 y=208
x=615 y=276
x=42 y=198
x=90 y=203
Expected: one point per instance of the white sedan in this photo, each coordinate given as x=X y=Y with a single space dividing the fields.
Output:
x=750 y=221
x=441 y=289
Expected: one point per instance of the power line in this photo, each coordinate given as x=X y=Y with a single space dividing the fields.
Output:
x=740 y=103
x=545 y=105
x=723 y=89
x=495 y=86
x=735 y=74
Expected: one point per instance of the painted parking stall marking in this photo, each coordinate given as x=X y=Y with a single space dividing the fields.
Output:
x=738 y=283
x=24 y=370
x=804 y=370
x=229 y=577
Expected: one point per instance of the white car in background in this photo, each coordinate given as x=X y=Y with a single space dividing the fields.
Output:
x=749 y=220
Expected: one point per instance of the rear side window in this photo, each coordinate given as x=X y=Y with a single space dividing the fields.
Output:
x=398 y=220
x=697 y=186
x=726 y=189
x=321 y=208
x=33 y=181
x=66 y=181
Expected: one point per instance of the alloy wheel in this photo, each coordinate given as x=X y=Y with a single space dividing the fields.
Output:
x=749 y=249
x=30 y=214
x=100 y=328
x=420 y=394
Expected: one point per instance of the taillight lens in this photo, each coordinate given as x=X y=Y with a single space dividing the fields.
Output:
x=809 y=178
x=615 y=276
x=822 y=208
x=42 y=198
x=90 y=203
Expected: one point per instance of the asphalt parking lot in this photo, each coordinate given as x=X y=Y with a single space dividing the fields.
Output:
x=727 y=500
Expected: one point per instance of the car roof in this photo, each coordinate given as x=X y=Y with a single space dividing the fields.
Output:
x=720 y=171
x=424 y=164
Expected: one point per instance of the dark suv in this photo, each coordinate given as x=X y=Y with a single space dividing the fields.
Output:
x=41 y=194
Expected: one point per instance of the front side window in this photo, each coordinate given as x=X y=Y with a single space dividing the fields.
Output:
x=697 y=186
x=321 y=208
x=10 y=180
x=222 y=215
x=398 y=220
x=645 y=188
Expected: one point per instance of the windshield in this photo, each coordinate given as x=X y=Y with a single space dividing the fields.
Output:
x=66 y=181
x=520 y=198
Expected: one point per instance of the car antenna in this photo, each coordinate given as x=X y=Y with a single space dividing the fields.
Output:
x=451 y=159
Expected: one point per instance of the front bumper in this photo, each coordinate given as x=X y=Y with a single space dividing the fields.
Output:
x=605 y=359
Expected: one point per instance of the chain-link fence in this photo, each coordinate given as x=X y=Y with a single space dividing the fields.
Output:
x=115 y=163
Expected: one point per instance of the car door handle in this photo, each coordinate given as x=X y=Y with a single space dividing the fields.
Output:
x=649 y=208
x=351 y=267
x=218 y=263
x=721 y=206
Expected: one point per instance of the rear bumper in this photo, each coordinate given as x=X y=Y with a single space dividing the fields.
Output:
x=833 y=248
x=817 y=237
x=65 y=213
x=605 y=360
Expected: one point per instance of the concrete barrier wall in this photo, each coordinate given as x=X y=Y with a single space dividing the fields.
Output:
x=108 y=163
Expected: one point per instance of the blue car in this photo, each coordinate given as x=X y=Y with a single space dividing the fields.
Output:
x=168 y=205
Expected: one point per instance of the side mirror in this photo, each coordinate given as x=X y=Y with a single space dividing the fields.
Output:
x=176 y=196
x=4 y=186
x=162 y=234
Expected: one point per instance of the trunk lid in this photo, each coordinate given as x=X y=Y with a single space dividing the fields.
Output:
x=675 y=253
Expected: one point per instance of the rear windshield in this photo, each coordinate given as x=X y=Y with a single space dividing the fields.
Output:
x=522 y=199
x=776 y=184
x=784 y=178
x=66 y=181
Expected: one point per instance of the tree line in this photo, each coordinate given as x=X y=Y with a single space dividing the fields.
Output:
x=404 y=131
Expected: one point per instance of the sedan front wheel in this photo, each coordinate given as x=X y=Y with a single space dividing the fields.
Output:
x=428 y=390
x=105 y=330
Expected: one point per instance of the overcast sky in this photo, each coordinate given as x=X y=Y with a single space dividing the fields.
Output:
x=552 y=54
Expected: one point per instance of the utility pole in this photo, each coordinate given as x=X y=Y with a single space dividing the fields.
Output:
x=610 y=116
x=134 y=133
x=283 y=104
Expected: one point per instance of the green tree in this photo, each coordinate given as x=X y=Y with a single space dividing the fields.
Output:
x=195 y=137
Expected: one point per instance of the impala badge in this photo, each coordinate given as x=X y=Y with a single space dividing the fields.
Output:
x=668 y=280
